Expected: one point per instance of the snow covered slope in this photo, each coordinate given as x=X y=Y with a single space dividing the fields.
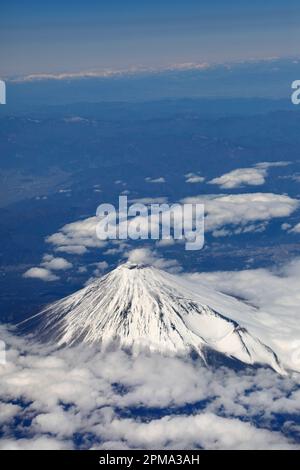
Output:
x=141 y=307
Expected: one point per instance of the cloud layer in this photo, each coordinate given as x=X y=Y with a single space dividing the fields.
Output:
x=225 y=214
x=91 y=399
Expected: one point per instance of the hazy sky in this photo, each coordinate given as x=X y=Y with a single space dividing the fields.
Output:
x=57 y=36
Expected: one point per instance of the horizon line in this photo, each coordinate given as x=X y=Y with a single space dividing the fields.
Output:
x=139 y=70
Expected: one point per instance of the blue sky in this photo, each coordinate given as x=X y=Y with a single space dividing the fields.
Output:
x=36 y=37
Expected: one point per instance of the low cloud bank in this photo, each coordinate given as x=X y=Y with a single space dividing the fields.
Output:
x=58 y=398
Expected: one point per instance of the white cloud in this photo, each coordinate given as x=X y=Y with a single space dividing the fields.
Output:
x=285 y=226
x=100 y=268
x=160 y=179
x=65 y=191
x=295 y=229
x=77 y=237
x=242 y=209
x=74 y=119
x=118 y=248
x=272 y=164
x=147 y=256
x=8 y=411
x=56 y=422
x=72 y=249
x=194 y=178
x=108 y=73
x=55 y=264
x=241 y=177
x=200 y=431
x=149 y=200
x=256 y=227
x=165 y=242
x=49 y=264
x=39 y=443
x=40 y=273
x=221 y=233
x=252 y=176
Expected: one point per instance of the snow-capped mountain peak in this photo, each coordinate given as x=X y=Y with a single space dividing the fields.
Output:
x=141 y=307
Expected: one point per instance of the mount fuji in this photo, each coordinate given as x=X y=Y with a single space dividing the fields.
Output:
x=139 y=307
